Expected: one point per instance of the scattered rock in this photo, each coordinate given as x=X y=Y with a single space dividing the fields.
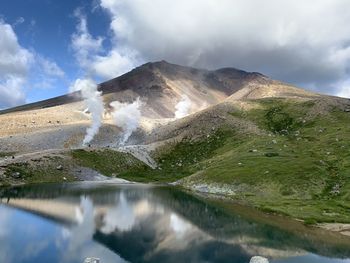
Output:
x=274 y=141
x=258 y=259
x=64 y=179
x=335 y=190
x=60 y=167
x=16 y=175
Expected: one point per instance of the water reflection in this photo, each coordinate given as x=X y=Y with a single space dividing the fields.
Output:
x=133 y=223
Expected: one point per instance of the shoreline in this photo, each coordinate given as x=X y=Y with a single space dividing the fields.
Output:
x=221 y=200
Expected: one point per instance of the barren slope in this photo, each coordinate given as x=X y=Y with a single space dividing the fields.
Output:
x=60 y=122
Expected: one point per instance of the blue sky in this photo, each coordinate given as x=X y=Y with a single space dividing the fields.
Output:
x=45 y=45
x=45 y=27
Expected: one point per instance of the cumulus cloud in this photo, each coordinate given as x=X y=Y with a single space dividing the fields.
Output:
x=18 y=64
x=301 y=42
x=84 y=45
x=14 y=66
x=11 y=92
x=92 y=56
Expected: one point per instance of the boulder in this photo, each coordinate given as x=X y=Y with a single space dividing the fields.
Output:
x=258 y=259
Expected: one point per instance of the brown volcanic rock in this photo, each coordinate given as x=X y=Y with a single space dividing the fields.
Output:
x=61 y=122
x=161 y=85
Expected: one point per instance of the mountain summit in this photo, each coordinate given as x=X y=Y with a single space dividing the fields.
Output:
x=161 y=85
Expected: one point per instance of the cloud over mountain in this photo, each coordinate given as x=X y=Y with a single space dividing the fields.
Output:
x=92 y=56
x=301 y=42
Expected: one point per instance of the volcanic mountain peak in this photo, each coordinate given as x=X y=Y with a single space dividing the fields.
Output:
x=166 y=91
x=161 y=85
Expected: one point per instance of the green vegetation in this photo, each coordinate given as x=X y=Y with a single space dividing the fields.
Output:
x=298 y=165
x=301 y=167
x=111 y=163
x=43 y=171
x=175 y=160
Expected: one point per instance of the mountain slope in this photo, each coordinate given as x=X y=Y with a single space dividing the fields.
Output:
x=258 y=141
x=161 y=86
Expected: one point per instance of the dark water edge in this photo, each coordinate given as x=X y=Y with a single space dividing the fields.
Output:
x=145 y=223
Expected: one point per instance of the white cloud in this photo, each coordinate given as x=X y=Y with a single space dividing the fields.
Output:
x=19 y=20
x=18 y=66
x=11 y=92
x=85 y=46
x=344 y=89
x=94 y=59
x=14 y=59
x=14 y=66
x=114 y=64
x=302 y=42
x=49 y=67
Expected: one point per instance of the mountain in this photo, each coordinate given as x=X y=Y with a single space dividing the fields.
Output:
x=161 y=85
x=247 y=137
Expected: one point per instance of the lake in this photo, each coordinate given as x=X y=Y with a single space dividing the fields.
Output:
x=143 y=223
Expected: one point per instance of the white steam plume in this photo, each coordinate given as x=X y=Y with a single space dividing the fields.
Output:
x=127 y=116
x=94 y=103
x=183 y=107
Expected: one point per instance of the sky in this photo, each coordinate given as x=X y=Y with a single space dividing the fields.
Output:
x=45 y=45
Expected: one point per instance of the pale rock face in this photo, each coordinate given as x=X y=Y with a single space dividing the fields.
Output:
x=258 y=259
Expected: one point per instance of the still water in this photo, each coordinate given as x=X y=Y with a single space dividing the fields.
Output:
x=137 y=223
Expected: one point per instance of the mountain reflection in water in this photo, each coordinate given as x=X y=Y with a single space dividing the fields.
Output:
x=136 y=223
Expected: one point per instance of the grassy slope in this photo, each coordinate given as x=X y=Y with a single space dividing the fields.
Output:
x=300 y=168
x=38 y=171
x=175 y=161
